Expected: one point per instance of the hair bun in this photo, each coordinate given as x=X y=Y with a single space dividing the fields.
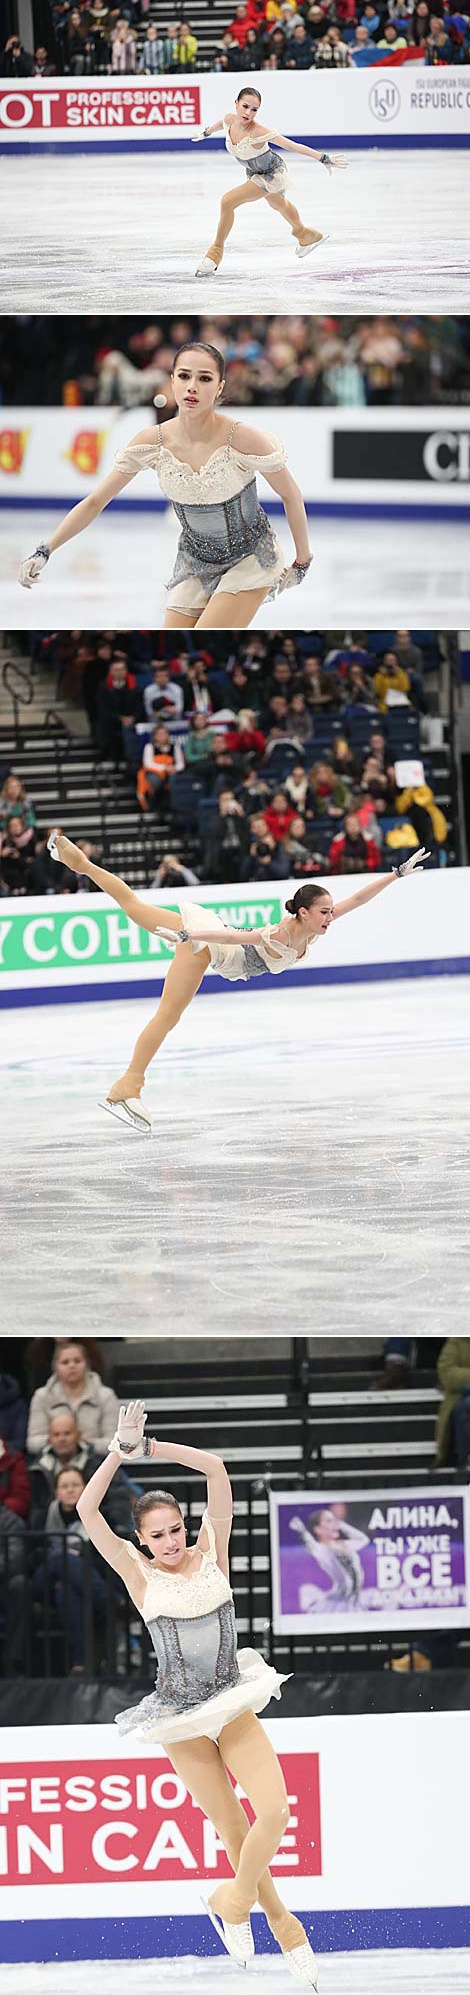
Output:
x=289 y=906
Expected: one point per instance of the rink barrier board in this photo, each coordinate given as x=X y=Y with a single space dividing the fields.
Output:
x=340 y=509
x=351 y=973
x=368 y=106
x=135 y=1939
x=365 y=142
x=413 y=464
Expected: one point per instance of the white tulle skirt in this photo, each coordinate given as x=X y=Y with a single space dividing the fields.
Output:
x=155 y=1724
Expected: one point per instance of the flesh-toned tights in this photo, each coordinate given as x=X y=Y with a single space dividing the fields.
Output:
x=244 y=1749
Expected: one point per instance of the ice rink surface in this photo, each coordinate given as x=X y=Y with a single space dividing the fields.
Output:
x=121 y=233
x=394 y=1973
x=308 y=1167
x=376 y=572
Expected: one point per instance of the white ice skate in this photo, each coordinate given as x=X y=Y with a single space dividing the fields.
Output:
x=305 y=248
x=238 y=1940
x=207 y=268
x=131 y=1112
x=302 y=1965
x=52 y=843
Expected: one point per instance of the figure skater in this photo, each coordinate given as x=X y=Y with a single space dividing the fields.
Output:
x=228 y=559
x=334 y=1545
x=267 y=176
x=206 y=1697
x=200 y=938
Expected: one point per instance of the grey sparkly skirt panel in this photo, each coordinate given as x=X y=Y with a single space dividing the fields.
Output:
x=268 y=166
x=215 y=537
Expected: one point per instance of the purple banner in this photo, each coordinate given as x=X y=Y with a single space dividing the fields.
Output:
x=401 y=1557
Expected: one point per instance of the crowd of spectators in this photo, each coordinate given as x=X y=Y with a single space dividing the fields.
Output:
x=92 y=38
x=284 y=755
x=299 y=361
x=52 y=1438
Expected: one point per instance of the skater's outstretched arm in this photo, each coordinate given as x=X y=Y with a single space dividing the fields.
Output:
x=413 y=865
x=293 y=145
x=81 y=516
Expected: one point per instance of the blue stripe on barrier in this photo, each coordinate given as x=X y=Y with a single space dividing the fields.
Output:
x=176 y=1938
x=345 y=973
x=367 y=140
x=365 y=509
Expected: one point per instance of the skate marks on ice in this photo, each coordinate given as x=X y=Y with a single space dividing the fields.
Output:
x=393 y=1973
x=315 y=1140
x=377 y=572
x=95 y=235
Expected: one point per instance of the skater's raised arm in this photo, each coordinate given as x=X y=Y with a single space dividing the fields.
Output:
x=413 y=865
x=111 y=1547
x=83 y=514
x=131 y=1443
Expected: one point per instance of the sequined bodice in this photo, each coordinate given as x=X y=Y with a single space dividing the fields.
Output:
x=170 y=1594
x=250 y=147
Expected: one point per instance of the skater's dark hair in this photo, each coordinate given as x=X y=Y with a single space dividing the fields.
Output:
x=141 y=1504
x=305 y=897
x=248 y=92
x=200 y=346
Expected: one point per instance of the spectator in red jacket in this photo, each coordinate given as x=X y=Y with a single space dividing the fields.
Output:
x=15 y=1488
x=353 y=851
x=246 y=738
x=238 y=28
x=15 y=1496
x=279 y=815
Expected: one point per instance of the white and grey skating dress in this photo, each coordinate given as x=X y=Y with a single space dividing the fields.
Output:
x=238 y=961
x=261 y=164
x=226 y=542
x=202 y=1681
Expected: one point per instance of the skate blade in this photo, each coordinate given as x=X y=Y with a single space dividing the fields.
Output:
x=207 y=268
x=307 y=248
x=133 y=1119
x=303 y=1967
x=218 y=1927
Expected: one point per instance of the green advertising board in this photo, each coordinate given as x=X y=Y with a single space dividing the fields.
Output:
x=92 y=932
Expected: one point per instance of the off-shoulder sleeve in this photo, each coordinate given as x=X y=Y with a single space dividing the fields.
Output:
x=272 y=460
x=137 y=457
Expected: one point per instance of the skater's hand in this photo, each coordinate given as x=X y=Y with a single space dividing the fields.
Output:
x=31 y=569
x=291 y=577
x=295 y=1524
x=197 y=137
x=332 y=159
x=415 y=864
x=129 y=1439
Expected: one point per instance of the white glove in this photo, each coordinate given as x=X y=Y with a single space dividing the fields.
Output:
x=197 y=137
x=332 y=159
x=413 y=865
x=291 y=577
x=296 y=1524
x=129 y=1439
x=31 y=569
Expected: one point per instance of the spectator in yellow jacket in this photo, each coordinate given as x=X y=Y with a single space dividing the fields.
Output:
x=453 y=1422
x=390 y=678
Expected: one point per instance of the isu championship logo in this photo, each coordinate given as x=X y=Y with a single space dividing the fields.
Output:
x=85 y=450
x=385 y=101
x=12 y=448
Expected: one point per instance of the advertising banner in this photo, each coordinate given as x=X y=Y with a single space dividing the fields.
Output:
x=414 y=460
x=104 y=1853
x=372 y=1560
x=56 y=947
x=409 y=105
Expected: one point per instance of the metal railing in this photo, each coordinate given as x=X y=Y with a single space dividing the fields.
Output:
x=18 y=682
x=62 y=1610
